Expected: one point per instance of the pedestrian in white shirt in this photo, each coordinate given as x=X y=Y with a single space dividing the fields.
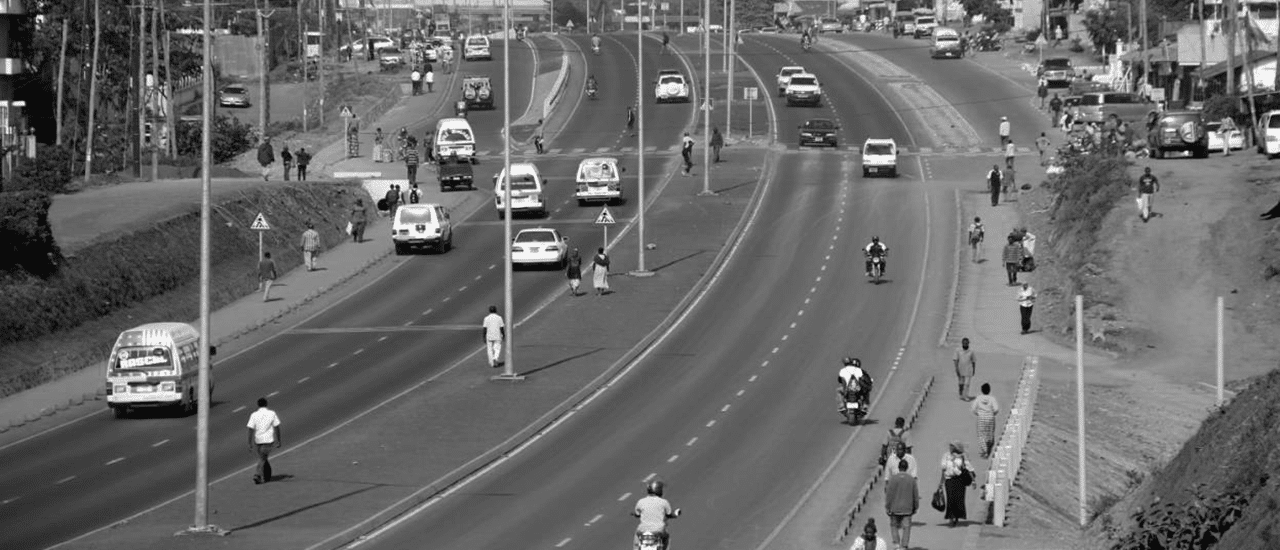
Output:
x=1026 y=301
x=416 y=78
x=495 y=330
x=264 y=435
x=1004 y=130
x=431 y=79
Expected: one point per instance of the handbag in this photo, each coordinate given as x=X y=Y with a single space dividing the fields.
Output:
x=350 y=228
x=939 y=502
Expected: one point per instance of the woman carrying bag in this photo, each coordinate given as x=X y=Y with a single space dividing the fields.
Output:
x=957 y=475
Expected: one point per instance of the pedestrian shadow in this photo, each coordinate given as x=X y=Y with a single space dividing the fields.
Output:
x=732 y=187
x=302 y=509
x=562 y=361
x=678 y=260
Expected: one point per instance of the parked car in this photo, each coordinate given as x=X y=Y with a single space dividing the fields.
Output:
x=390 y=58
x=946 y=44
x=233 y=95
x=1236 y=137
x=422 y=226
x=880 y=157
x=1056 y=72
x=539 y=246
x=1177 y=131
x=1268 y=138
x=819 y=131
x=830 y=24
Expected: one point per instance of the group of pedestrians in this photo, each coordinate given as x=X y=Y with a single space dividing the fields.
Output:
x=267 y=159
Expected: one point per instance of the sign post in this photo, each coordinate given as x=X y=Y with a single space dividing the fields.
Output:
x=751 y=94
x=604 y=220
x=261 y=226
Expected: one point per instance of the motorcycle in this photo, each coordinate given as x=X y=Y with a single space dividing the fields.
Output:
x=591 y=92
x=653 y=540
x=460 y=108
x=855 y=407
x=595 y=49
x=806 y=46
x=877 y=269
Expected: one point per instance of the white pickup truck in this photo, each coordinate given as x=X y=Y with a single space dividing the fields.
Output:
x=599 y=180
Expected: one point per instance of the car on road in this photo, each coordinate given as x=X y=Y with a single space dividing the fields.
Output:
x=1268 y=134
x=671 y=87
x=946 y=44
x=476 y=47
x=454 y=136
x=925 y=23
x=233 y=95
x=880 y=157
x=1235 y=137
x=358 y=46
x=599 y=180
x=477 y=91
x=1098 y=106
x=390 y=59
x=527 y=188
x=819 y=131
x=804 y=89
x=784 y=76
x=1177 y=131
x=1056 y=71
x=541 y=246
x=830 y=24
x=421 y=226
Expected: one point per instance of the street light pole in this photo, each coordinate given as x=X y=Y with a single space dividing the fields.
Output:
x=508 y=365
x=731 y=50
x=706 y=98
x=1146 y=59
x=640 y=268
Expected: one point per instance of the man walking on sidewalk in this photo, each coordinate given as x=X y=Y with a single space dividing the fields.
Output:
x=310 y=246
x=631 y=119
x=266 y=275
x=1009 y=153
x=266 y=157
x=966 y=366
x=901 y=501
x=264 y=435
x=717 y=143
x=1148 y=185
x=416 y=79
x=1012 y=258
x=1042 y=146
x=495 y=330
x=1055 y=107
x=985 y=407
x=1004 y=130
x=430 y=77
x=1026 y=301
x=286 y=159
x=686 y=151
x=303 y=158
x=411 y=162
x=994 y=178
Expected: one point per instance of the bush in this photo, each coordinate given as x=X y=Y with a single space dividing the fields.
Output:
x=1076 y=46
x=1090 y=186
x=50 y=171
x=26 y=238
x=1220 y=106
x=1032 y=35
x=230 y=138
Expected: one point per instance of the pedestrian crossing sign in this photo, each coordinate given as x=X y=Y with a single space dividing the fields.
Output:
x=260 y=223
x=605 y=217
x=346 y=111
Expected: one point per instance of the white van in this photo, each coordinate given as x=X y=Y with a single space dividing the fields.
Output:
x=476 y=47
x=946 y=44
x=155 y=365
x=454 y=135
x=1268 y=138
x=527 y=188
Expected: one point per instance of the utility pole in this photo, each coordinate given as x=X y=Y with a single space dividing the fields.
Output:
x=141 y=95
x=1146 y=59
x=156 y=102
x=302 y=59
x=731 y=37
x=62 y=70
x=706 y=98
x=93 y=88
x=1229 y=28
x=264 y=68
x=320 y=63
x=170 y=113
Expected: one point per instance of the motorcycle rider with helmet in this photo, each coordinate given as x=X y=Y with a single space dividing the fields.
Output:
x=654 y=511
x=852 y=372
x=877 y=249
x=592 y=86
x=595 y=43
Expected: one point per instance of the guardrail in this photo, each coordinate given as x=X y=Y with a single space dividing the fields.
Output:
x=1008 y=452
x=557 y=88
x=865 y=492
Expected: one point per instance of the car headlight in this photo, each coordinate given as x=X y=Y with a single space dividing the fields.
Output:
x=167 y=386
x=806 y=134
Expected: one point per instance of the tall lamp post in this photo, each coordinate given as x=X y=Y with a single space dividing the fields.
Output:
x=508 y=313
x=640 y=268
x=706 y=98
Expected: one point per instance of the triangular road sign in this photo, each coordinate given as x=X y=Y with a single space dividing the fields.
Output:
x=346 y=111
x=260 y=223
x=605 y=217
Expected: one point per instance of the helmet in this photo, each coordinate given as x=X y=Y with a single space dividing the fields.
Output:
x=654 y=488
x=875 y=239
x=853 y=362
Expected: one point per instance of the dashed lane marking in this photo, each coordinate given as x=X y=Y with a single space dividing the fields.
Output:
x=303 y=379
x=691 y=442
x=64 y=480
x=114 y=461
x=159 y=443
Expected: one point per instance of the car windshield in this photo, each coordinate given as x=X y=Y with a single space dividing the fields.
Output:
x=415 y=215
x=1057 y=63
x=672 y=79
x=457 y=135
x=879 y=149
x=1121 y=98
x=597 y=171
x=1091 y=100
x=924 y=21
x=819 y=125
x=789 y=72
x=1273 y=122
x=476 y=42
x=536 y=237
x=233 y=90
x=804 y=81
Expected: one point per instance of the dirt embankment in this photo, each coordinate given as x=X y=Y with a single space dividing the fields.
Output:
x=1150 y=292
x=151 y=275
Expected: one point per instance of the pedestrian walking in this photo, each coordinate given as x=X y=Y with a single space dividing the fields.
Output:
x=1004 y=130
x=899 y=452
x=994 y=183
x=266 y=157
x=310 y=246
x=869 y=540
x=359 y=219
x=1009 y=153
x=1226 y=127
x=897 y=434
x=686 y=151
x=379 y=145
x=415 y=194
x=266 y=275
x=573 y=271
x=392 y=199
x=264 y=435
x=495 y=331
x=428 y=146
x=1012 y=258
x=430 y=78
x=1042 y=146
x=1055 y=108
x=1148 y=185
x=957 y=475
x=537 y=139
x=631 y=118
x=286 y=160
x=353 y=137
x=901 y=501
x=966 y=367
x=985 y=407
x=411 y=162
x=600 y=272
x=717 y=143
x=303 y=158
x=1026 y=301
x=666 y=41
x=977 y=233
x=1042 y=91
x=416 y=79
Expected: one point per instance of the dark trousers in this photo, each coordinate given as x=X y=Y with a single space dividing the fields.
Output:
x=302 y=172
x=288 y=167
x=417 y=87
x=1012 y=271
x=263 y=473
x=411 y=171
x=1026 y=317
x=688 y=162
x=995 y=195
x=357 y=231
x=716 y=150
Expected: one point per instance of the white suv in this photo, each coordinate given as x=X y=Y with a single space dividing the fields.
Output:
x=671 y=86
x=803 y=89
x=422 y=226
x=784 y=76
x=476 y=47
x=880 y=157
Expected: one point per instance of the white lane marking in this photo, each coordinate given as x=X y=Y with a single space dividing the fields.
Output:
x=358 y=352
x=464 y=287
x=824 y=267
x=238 y=409
x=446 y=299
x=113 y=461
x=303 y=379
x=775 y=350
x=673 y=459
x=407 y=323
x=724 y=408
x=784 y=337
x=64 y=480
x=752 y=379
x=624 y=496
x=817 y=279
x=428 y=311
x=8 y=500
x=331 y=365
x=595 y=519
x=493 y=266
x=793 y=325
x=477 y=277
x=711 y=423
x=649 y=477
x=691 y=442
x=764 y=363
x=806 y=301
x=274 y=393
x=827 y=257
x=383 y=338
x=563 y=542
x=159 y=443
x=800 y=313
x=740 y=392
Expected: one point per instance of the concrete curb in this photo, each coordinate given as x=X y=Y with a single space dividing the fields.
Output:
x=955 y=277
x=864 y=493
x=557 y=89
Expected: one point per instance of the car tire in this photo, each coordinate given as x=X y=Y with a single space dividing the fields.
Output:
x=400 y=251
x=835 y=145
x=865 y=173
x=893 y=172
x=120 y=411
x=502 y=215
x=582 y=202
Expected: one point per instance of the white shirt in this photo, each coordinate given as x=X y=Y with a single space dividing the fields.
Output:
x=431 y=76
x=1029 y=244
x=884 y=247
x=1010 y=150
x=891 y=465
x=1026 y=297
x=493 y=326
x=653 y=512
x=1004 y=128
x=415 y=76
x=861 y=544
x=849 y=372
x=263 y=422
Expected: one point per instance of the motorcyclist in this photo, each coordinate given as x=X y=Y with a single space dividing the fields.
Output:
x=850 y=373
x=654 y=511
x=592 y=87
x=595 y=42
x=402 y=140
x=876 y=249
x=805 y=41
